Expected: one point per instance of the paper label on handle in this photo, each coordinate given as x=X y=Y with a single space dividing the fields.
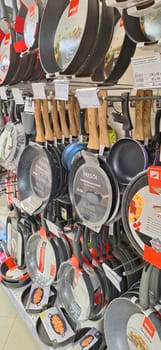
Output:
x=39 y=90
x=146 y=71
x=112 y=276
x=53 y=228
x=87 y=98
x=3 y=93
x=17 y=94
x=61 y=89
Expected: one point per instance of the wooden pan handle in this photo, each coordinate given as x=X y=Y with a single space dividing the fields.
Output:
x=93 y=142
x=138 y=130
x=102 y=118
x=55 y=118
x=147 y=114
x=72 y=125
x=76 y=114
x=64 y=127
x=40 y=137
x=86 y=122
x=49 y=134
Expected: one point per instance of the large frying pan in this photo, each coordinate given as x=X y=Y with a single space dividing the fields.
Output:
x=91 y=185
x=118 y=56
x=140 y=213
x=66 y=39
x=133 y=28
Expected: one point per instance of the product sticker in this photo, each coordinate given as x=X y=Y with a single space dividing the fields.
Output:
x=88 y=340
x=92 y=195
x=17 y=94
x=61 y=89
x=112 y=276
x=38 y=297
x=16 y=273
x=3 y=92
x=39 y=90
x=146 y=71
x=73 y=7
x=142 y=334
x=88 y=98
x=56 y=325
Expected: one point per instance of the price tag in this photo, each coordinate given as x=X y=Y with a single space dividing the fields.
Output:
x=53 y=228
x=61 y=89
x=17 y=94
x=147 y=71
x=112 y=276
x=87 y=98
x=3 y=93
x=29 y=105
x=39 y=90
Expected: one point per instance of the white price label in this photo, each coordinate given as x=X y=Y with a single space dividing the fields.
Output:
x=112 y=276
x=147 y=71
x=3 y=93
x=29 y=105
x=17 y=95
x=53 y=228
x=88 y=98
x=61 y=89
x=39 y=90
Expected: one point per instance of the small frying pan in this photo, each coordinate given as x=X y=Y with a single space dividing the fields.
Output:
x=65 y=38
x=128 y=157
x=51 y=301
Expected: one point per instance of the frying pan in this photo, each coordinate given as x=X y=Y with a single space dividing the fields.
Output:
x=56 y=31
x=51 y=301
x=123 y=328
x=154 y=146
x=136 y=160
x=31 y=173
x=12 y=140
x=41 y=260
x=118 y=56
x=150 y=24
x=13 y=277
x=92 y=204
x=27 y=30
x=72 y=149
x=138 y=201
x=133 y=28
x=76 y=286
x=102 y=40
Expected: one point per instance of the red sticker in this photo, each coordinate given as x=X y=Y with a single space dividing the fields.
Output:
x=148 y=326
x=152 y=256
x=7 y=38
x=121 y=22
x=32 y=10
x=19 y=24
x=2 y=35
x=154 y=179
x=73 y=7
x=20 y=46
x=52 y=270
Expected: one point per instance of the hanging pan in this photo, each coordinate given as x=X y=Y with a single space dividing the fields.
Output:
x=118 y=56
x=126 y=326
x=66 y=38
x=90 y=181
x=127 y=156
x=140 y=212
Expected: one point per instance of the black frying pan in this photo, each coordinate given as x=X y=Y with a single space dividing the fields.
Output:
x=58 y=31
x=133 y=28
x=102 y=40
x=118 y=56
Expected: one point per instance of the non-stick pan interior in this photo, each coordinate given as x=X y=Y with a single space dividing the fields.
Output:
x=115 y=323
x=127 y=158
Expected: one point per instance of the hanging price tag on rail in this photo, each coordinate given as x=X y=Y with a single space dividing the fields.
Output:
x=88 y=98
x=39 y=90
x=61 y=89
x=3 y=94
x=17 y=95
x=146 y=71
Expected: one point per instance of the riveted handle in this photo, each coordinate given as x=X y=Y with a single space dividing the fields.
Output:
x=93 y=143
x=64 y=127
x=55 y=118
x=40 y=137
x=102 y=118
x=49 y=134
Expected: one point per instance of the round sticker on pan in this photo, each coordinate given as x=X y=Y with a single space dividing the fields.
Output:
x=142 y=334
